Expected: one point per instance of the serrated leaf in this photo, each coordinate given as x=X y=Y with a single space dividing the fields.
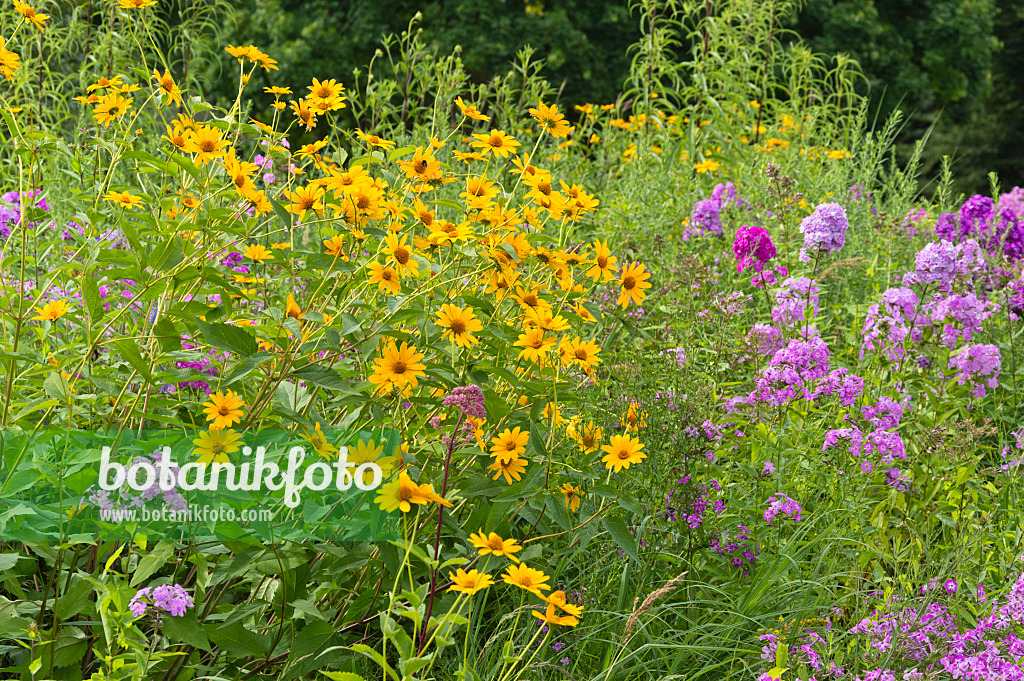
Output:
x=227 y=337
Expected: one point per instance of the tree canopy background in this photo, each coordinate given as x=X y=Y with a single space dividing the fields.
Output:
x=954 y=64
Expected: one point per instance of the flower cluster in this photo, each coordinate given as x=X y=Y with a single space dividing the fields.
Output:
x=752 y=247
x=792 y=373
x=1000 y=231
x=780 y=503
x=792 y=299
x=978 y=364
x=167 y=599
x=705 y=218
x=740 y=550
x=824 y=231
x=934 y=264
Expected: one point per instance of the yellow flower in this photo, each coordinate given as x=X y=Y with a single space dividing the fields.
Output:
x=398 y=367
x=400 y=494
x=111 y=107
x=551 y=121
x=839 y=154
x=583 y=353
x=304 y=199
x=205 y=142
x=401 y=254
x=136 y=4
x=241 y=173
x=470 y=111
x=223 y=409
x=470 y=582
x=304 y=113
x=534 y=345
x=319 y=443
x=572 y=494
x=604 y=267
x=495 y=142
x=460 y=324
x=370 y=452
x=492 y=544
x=168 y=88
x=215 y=445
x=292 y=309
x=386 y=278
x=31 y=16
x=124 y=198
x=510 y=443
x=707 y=166
x=510 y=468
x=526 y=578
x=622 y=451
x=104 y=82
x=375 y=141
x=634 y=419
x=588 y=436
x=633 y=282
x=556 y=602
x=53 y=310
x=327 y=95
x=333 y=246
x=258 y=253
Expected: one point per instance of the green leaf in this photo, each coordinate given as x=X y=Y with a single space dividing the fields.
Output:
x=148 y=565
x=186 y=629
x=129 y=351
x=8 y=560
x=322 y=376
x=621 y=536
x=245 y=367
x=282 y=214
x=239 y=641
x=227 y=337
x=343 y=676
x=74 y=600
x=93 y=301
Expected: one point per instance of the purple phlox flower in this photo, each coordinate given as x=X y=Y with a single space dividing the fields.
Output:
x=726 y=195
x=752 y=247
x=934 y=264
x=781 y=503
x=765 y=339
x=979 y=364
x=705 y=218
x=167 y=599
x=959 y=317
x=1013 y=201
x=824 y=230
x=792 y=300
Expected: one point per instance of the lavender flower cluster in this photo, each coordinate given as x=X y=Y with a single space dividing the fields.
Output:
x=780 y=503
x=170 y=599
x=824 y=231
x=923 y=638
x=741 y=551
x=11 y=206
x=875 y=440
x=792 y=299
x=706 y=214
x=801 y=371
x=122 y=498
x=1000 y=231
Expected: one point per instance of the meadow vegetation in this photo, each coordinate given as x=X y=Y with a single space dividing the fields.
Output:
x=691 y=384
